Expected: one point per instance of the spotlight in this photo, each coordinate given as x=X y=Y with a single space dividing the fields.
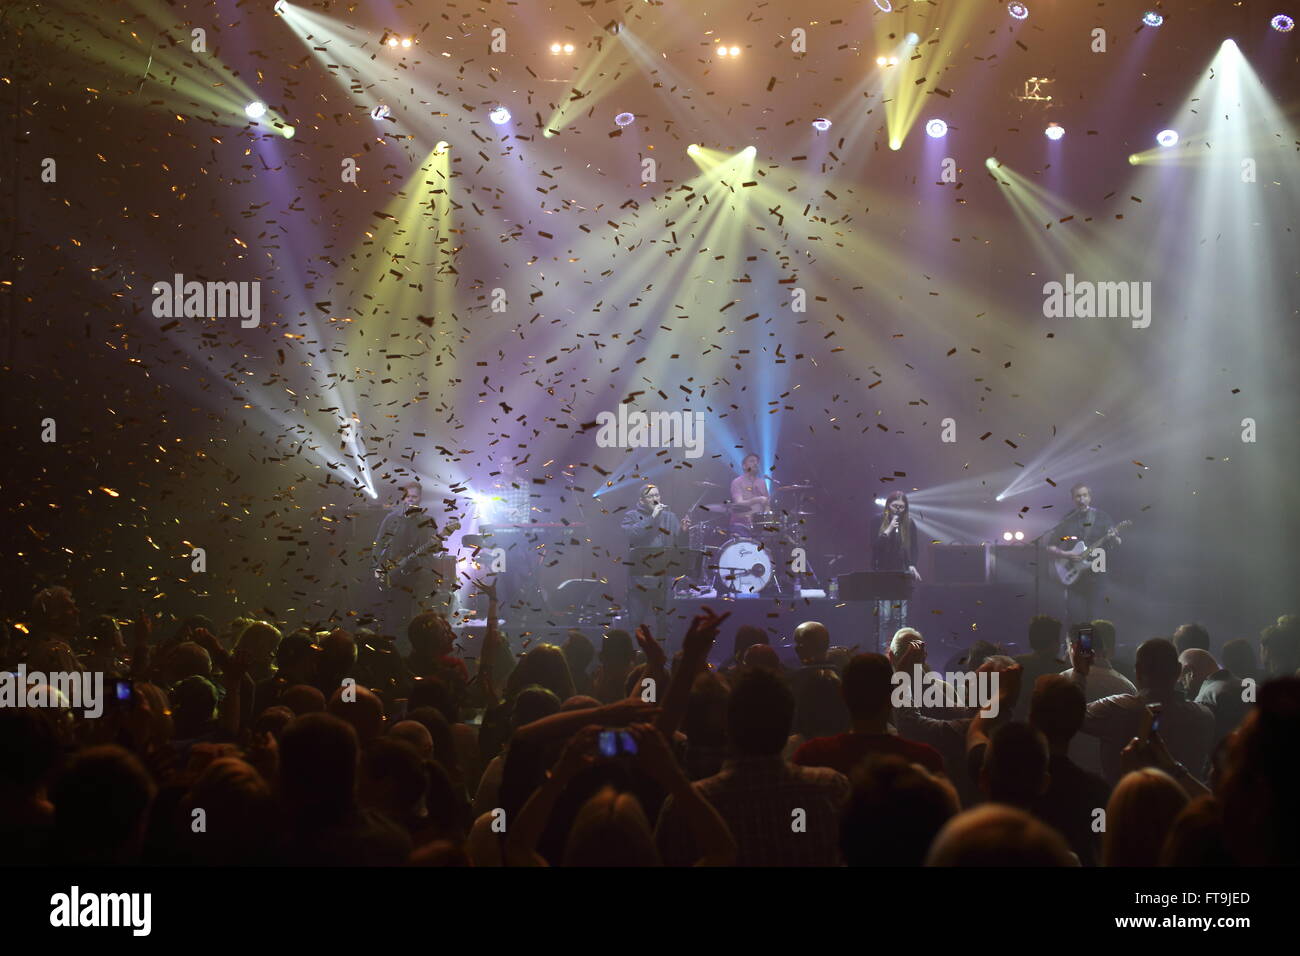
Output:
x=1282 y=23
x=568 y=48
x=406 y=41
x=1167 y=138
x=392 y=41
x=749 y=152
x=1134 y=159
x=441 y=147
x=722 y=51
x=556 y=48
x=885 y=6
x=881 y=61
x=1020 y=536
x=287 y=131
x=822 y=124
x=280 y=7
x=1007 y=536
x=499 y=116
x=936 y=129
x=255 y=110
x=1152 y=19
x=692 y=150
x=1054 y=131
x=1018 y=10
x=911 y=40
x=893 y=61
x=625 y=119
x=735 y=51
x=380 y=112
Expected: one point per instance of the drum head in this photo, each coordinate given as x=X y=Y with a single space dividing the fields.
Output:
x=744 y=567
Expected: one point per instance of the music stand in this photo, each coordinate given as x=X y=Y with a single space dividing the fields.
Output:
x=668 y=563
x=876 y=586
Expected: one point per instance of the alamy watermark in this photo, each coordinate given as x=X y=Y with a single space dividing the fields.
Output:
x=208 y=300
x=651 y=430
x=1101 y=300
x=79 y=690
x=922 y=688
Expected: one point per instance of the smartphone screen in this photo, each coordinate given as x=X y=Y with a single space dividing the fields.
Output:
x=608 y=743
x=123 y=691
x=627 y=743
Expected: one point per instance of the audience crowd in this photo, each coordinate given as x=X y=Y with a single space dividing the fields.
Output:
x=246 y=745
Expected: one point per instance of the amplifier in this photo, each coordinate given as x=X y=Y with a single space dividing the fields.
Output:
x=959 y=563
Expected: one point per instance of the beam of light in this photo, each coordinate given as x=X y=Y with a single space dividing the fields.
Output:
x=129 y=58
x=902 y=95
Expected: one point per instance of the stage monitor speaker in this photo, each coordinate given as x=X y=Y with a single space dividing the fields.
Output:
x=960 y=563
x=1014 y=564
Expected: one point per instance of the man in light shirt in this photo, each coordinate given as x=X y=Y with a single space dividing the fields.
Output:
x=1103 y=681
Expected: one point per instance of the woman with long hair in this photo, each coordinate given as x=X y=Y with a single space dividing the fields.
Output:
x=895 y=550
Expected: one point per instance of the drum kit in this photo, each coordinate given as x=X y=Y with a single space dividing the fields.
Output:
x=749 y=552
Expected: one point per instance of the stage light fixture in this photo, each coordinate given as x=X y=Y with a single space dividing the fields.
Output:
x=1152 y=19
x=911 y=39
x=1054 y=131
x=1006 y=536
x=692 y=150
x=406 y=41
x=441 y=147
x=287 y=131
x=1167 y=138
x=499 y=116
x=1282 y=23
x=821 y=124
x=936 y=129
x=885 y=6
x=1020 y=536
x=255 y=110
x=625 y=119
x=280 y=7
x=1018 y=10
x=555 y=48
x=392 y=41
x=722 y=51
x=749 y=152
x=380 y=112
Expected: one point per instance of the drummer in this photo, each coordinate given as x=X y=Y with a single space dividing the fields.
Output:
x=750 y=495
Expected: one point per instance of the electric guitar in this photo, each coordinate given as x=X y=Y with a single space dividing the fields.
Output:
x=397 y=574
x=1069 y=569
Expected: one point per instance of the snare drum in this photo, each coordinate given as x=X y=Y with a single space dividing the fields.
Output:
x=744 y=567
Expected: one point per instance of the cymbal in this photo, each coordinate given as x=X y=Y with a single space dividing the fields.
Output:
x=800 y=487
x=707 y=484
x=725 y=507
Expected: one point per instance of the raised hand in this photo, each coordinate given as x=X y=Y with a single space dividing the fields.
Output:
x=654 y=653
x=703 y=632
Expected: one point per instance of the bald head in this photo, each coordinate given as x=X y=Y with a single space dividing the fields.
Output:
x=1197 y=665
x=812 y=641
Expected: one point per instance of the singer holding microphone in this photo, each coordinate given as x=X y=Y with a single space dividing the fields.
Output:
x=895 y=550
x=651 y=525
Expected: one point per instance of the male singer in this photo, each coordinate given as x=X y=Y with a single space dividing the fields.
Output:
x=404 y=550
x=651 y=525
x=1084 y=600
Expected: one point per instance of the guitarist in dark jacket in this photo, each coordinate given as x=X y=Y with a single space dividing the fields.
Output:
x=1083 y=599
x=405 y=547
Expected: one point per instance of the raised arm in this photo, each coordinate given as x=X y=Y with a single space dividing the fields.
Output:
x=695 y=655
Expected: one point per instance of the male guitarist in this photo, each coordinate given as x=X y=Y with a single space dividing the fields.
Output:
x=405 y=549
x=1083 y=599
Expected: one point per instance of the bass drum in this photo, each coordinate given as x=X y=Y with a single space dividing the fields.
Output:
x=744 y=567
